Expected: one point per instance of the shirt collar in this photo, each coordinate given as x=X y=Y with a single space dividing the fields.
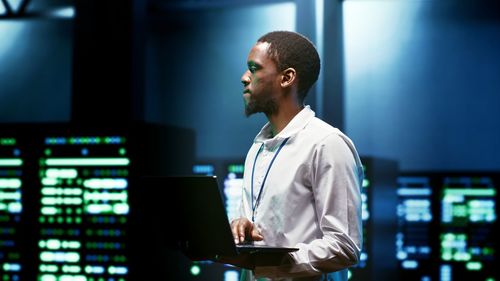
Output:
x=296 y=124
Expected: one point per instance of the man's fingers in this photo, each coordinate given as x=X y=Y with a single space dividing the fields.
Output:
x=255 y=234
x=242 y=225
x=243 y=229
x=234 y=230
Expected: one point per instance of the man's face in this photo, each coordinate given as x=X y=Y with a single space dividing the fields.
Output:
x=261 y=82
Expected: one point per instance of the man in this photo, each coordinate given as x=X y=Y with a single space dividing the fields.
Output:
x=302 y=176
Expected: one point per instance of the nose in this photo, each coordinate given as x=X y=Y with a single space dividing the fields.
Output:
x=245 y=79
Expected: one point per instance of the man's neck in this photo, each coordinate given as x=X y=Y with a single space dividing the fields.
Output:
x=282 y=117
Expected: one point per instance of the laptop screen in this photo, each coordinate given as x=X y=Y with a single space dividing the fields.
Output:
x=193 y=213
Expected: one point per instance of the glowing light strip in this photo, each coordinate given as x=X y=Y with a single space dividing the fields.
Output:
x=48 y=268
x=49 y=181
x=422 y=203
x=50 y=211
x=414 y=192
x=61 y=201
x=119 y=270
x=94 y=269
x=106 y=208
x=59 y=256
x=62 y=173
x=481 y=203
x=61 y=191
x=15 y=207
x=106 y=183
x=11 y=162
x=410 y=264
x=54 y=244
x=87 y=161
x=203 y=169
x=71 y=269
x=122 y=196
x=236 y=169
x=474 y=266
x=72 y=278
x=10 y=183
x=7 y=141
x=52 y=277
x=470 y=192
x=63 y=12
x=10 y=195
x=11 y=267
x=84 y=140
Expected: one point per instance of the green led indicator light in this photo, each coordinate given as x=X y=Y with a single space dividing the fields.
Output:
x=87 y=161
x=366 y=183
x=7 y=141
x=446 y=256
x=11 y=162
x=235 y=169
x=122 y=151
x=48 y=152
x=195 y=270
x=474 y=266
x=470 y=192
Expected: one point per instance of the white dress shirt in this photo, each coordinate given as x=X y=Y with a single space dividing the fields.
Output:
x=310 y=199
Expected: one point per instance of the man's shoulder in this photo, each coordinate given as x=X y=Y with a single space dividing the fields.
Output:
x=320 y=129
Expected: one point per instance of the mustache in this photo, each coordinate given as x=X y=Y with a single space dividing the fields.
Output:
x=247 y=91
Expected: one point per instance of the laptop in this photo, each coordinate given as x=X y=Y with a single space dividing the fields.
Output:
x=197 y=221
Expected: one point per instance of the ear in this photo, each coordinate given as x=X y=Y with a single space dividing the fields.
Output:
x=288 y=77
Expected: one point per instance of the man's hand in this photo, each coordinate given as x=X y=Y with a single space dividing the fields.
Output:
x=244 y=230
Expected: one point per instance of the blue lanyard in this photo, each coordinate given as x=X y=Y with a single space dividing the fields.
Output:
x=254 y=206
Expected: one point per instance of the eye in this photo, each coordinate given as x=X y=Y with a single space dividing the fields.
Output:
x=253 y=67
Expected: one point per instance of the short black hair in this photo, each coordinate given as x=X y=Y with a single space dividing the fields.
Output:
x=291 y=49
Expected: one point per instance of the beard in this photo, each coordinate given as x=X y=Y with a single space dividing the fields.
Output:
x=266 y=105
